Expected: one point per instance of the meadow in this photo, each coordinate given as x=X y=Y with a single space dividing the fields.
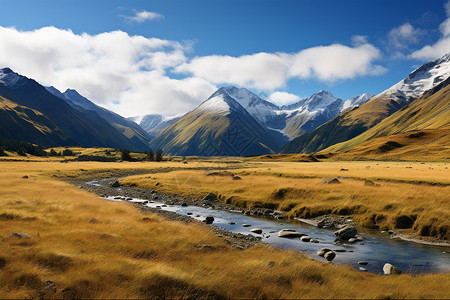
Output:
x=408 y=197
x=128 y=253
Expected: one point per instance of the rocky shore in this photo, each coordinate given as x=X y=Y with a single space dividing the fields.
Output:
x=109 y=187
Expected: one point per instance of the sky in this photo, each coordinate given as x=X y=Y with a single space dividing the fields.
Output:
x=166 y=57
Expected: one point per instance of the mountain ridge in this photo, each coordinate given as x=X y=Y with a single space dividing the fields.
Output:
x=354 y=122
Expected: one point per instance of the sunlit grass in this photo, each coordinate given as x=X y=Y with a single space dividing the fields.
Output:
x=153 y=257
x=296 y=189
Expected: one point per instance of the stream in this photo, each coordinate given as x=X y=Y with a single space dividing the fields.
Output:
x=376 y=249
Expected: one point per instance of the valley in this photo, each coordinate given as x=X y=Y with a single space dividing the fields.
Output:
x=122 y=241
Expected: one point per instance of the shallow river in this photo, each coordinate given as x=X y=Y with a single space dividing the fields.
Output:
x=377 y=249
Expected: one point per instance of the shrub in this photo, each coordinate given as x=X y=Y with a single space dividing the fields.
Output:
x=67 y=152
x=150 y=155
x=125 y=155
x=159 y=155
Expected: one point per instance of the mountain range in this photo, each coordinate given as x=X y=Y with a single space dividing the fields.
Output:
x=351 y=123
x=61 y=120
x=234 y=121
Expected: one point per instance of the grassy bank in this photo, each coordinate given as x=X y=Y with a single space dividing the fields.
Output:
x=128 y=254
x=396 y=202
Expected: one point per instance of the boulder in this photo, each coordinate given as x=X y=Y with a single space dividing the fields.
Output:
x=115 y=183
x=364 y=263
x=92 y=220
x=369 y=182
x=330 y=181
x=321 y=223
x=210 y=197
x=389 y=269
x=330 y=255
x=362 y=269
x=20 y=235
x=246 y=225
x=209 y=219
x=305 y=238
x=346 y=233
x=323 y=251
x=314 y=241
x=256 y=230
x=25 y=177
x=289 y=233
x=235 y=177
x=184 y=204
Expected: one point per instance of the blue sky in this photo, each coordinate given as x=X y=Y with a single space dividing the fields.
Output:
x=167 y=56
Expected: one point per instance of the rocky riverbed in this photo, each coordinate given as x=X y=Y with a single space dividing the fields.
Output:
x=109 y=187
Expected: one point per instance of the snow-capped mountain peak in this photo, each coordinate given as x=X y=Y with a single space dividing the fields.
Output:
x=422 y=79
x=319 y=100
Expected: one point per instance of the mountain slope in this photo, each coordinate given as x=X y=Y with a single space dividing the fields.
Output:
x=87 y=129
x=431 y=111
x=138 y=138
x=353 y=122
x=416 y=145
x=219 y=126
x=25 y=124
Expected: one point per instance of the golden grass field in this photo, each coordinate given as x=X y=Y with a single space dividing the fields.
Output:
x=143 y=255
x=296 y=189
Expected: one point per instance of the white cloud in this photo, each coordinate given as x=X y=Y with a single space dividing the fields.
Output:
x=403 y=36
x=264 y=71
x=358 y=40
x=442 y=46
x=132 y=74
x=336 y=62
x=282 y=98
x=106 y=68
x=269 y=71
x=143 y=15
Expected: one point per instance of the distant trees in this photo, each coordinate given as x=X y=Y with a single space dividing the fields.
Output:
x=53 y=153
x=67 y=152
x=159 y=155
x=125 y=155
x=22 y=148
x=150 y=155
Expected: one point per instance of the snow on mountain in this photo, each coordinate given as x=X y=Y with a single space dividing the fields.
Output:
x=261 y=110
x=147 y=122
x=422 y=79
x=215 y=104
x=355 y=101
x=300 y=117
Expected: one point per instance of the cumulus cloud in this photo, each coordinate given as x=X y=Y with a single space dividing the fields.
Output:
x=143 y=15
x=404 y=35
x=269 y=71
x=134 y=75
x=442 y=46
x=111 y=67
x=335 y=62
x=282 y=98
x=261 y=70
